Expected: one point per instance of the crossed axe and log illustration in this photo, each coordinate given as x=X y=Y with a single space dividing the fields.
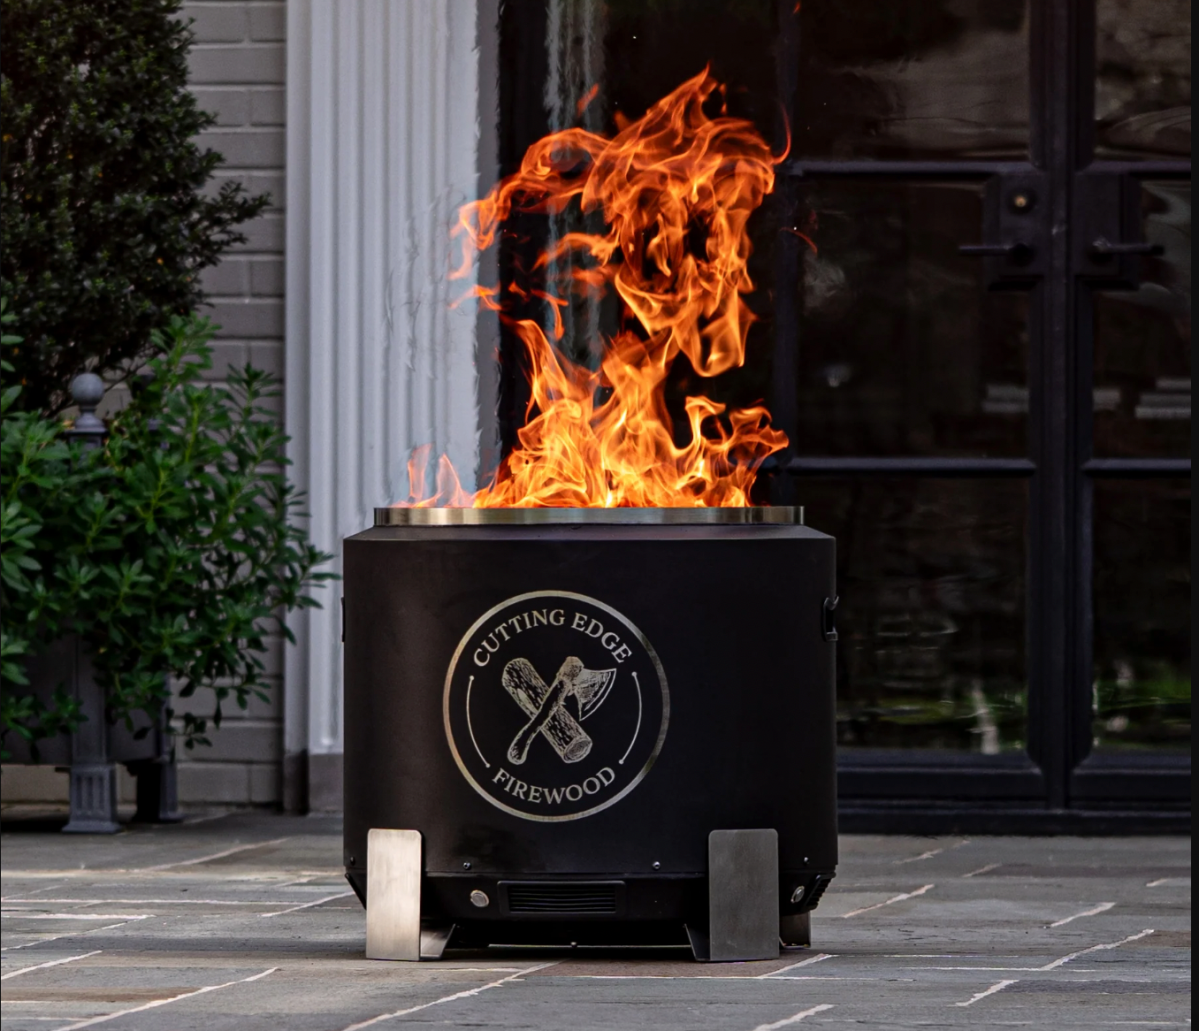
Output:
x=546 y=706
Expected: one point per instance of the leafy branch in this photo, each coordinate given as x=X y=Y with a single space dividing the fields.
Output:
x=172 y=550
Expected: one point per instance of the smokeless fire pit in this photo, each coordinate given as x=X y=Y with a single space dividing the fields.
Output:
x=589 y=725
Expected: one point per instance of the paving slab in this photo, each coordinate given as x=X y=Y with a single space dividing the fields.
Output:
x=244 y=921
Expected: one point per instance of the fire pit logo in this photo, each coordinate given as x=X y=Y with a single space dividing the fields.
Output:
x=555 y=706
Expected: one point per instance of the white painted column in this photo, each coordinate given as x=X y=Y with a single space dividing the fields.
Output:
x=382 y=109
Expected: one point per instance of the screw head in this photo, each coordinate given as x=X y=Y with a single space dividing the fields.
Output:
x=466 y=866
x=479 y=899
x=656 y=865
x=797 y=894
x=1022 y=200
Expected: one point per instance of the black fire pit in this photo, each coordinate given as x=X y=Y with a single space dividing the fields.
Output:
x=567 y=703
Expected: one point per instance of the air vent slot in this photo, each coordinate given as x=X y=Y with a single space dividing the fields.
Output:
x=818 y=889
x=565 y=898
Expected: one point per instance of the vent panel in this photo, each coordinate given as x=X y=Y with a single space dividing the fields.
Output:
x=563 y=898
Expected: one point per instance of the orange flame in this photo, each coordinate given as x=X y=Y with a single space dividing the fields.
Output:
x=676 y=189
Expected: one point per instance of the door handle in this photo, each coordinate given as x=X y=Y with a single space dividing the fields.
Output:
x=1019 y=253
x=1014 y=231
x=828 y=622
x=1102 y=249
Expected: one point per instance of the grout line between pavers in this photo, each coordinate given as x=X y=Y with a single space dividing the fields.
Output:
x=1103 y=907
x=92 y=1021
x=30 y=915
x=982 y=869
x=1096 y=948
x=65 y=934
x=998 y=987
x=891 y=901
x=206 y=859
x=371 y=1021
x=309 y=905
x=818 y=958
x=795 y=1018
x=51 y=963
x=1056 y=963
x=154 y=902
x=916 y=859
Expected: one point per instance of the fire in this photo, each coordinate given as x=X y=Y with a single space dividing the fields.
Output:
x=675 y=189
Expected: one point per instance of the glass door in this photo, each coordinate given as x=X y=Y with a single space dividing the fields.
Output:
x=973 y=303
x=1133 y=211
x=996 y=432
x=906 y=361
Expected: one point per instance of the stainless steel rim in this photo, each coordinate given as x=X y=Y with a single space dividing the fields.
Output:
x=775 y=514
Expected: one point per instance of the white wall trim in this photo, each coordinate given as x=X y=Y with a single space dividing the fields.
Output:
x=382 y=116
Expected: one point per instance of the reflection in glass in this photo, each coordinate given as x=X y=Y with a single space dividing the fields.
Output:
x=1143 y=84
x=652 y=47
x=901 y=349
x=1143 y=340
x=857 y=78
x=595 y=64
x=1142 y=600
x=931 y=620
x=910 y=78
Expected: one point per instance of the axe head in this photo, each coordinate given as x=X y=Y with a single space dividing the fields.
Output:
x=590 y=688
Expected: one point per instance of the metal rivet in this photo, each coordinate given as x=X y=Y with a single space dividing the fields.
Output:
x=657 y=865
x=352 y=860
x=479 y=899
x=466 y=866
x=797 y=894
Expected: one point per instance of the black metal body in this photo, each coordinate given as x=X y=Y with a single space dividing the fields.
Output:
x=736 y=618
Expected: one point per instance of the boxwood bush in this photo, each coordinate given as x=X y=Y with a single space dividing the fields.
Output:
x=171 y=549
x=105 y=224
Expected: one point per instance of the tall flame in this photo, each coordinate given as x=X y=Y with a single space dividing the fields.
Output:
x=675 y=189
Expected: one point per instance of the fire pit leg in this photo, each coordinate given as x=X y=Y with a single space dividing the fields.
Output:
x=393 y=875
x=795 y=930
x=743 y=898
x=434 y=938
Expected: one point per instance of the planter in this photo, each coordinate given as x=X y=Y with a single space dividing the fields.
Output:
x=93 y=750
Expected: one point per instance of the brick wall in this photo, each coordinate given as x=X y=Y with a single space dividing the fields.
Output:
x=237 y=67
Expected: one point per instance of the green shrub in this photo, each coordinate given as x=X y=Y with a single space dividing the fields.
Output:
x=170 y=549
x=104 y=225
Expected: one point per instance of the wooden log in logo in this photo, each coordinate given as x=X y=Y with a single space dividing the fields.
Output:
x=560 y=729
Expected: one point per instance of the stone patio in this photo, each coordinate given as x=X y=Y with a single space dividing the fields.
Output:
x=243 y=920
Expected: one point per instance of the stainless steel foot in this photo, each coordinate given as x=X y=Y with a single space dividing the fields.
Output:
x=393 y=874
x=743 y=897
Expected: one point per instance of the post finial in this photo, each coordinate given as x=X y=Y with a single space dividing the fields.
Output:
x=87 y=391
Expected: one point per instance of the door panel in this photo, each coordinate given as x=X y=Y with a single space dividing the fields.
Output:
x=1142 y=594
x=910 y=79
x=901 y=349
x=1142 y=340
x=931 y=576
x=1143 y=79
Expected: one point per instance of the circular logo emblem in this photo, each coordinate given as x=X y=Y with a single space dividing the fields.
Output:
x=555 y=706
